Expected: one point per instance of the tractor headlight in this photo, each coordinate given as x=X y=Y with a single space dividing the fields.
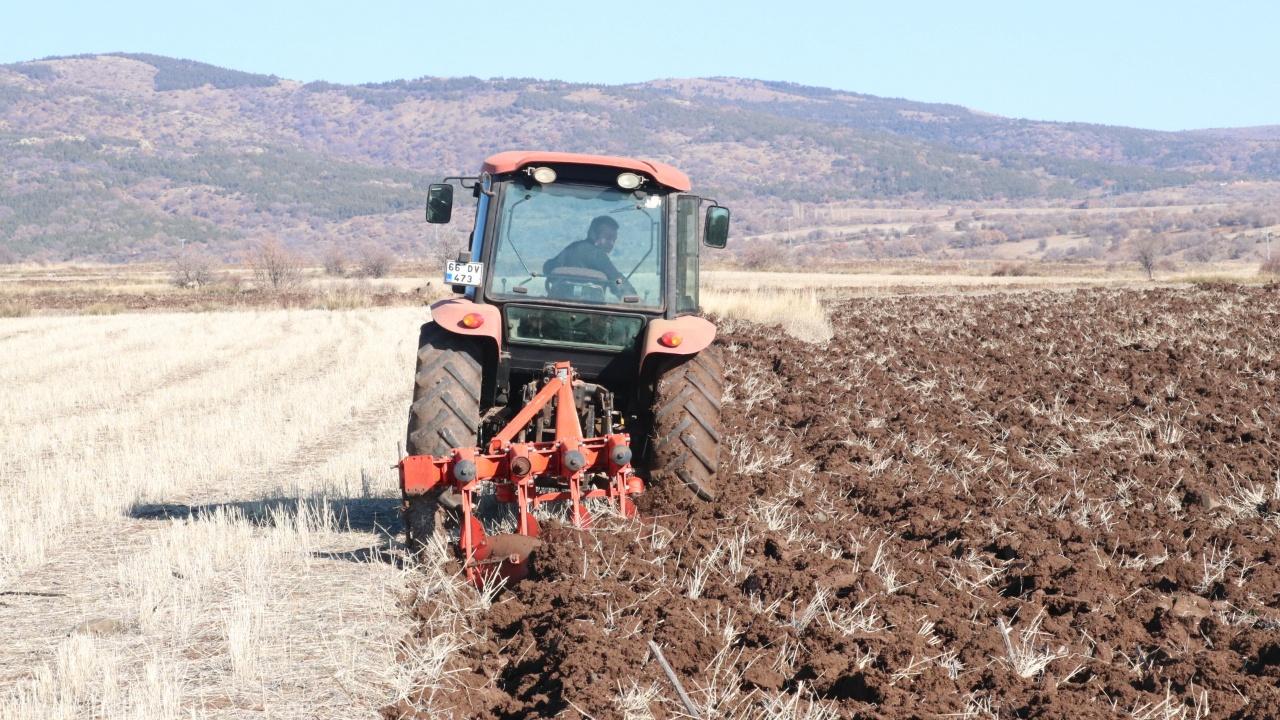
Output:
x=630 y=181
x=544 y=175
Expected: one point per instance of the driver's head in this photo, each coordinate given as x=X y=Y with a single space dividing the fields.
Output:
x=603 y=232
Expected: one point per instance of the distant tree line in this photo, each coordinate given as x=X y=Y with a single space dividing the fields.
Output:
x=178 y=74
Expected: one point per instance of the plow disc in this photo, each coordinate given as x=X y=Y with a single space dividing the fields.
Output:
x=569 y=468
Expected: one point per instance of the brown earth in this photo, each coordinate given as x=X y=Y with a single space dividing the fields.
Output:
x=1096 y=470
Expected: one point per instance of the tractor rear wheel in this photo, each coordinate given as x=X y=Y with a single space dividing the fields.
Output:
x=684 y=432
x=445 y=414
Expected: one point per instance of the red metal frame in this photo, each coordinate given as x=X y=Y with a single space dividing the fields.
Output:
x=517 y=470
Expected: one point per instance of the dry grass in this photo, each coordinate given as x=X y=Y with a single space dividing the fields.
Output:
x=17 y=307
x=142 y=409
x=800 y=313
x=239 y=604
x=113 y=289
x=221 y=615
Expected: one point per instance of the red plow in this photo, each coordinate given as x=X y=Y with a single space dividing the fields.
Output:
x=569 y=468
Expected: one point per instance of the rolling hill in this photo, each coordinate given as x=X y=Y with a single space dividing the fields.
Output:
x=126 y=156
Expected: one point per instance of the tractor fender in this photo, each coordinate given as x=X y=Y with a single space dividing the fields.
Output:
x=695 y=335
x=448 y=314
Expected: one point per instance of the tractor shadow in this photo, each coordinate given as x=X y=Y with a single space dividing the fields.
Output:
x=380 y=516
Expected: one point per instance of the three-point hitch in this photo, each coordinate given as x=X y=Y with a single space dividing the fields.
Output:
x=569 y=467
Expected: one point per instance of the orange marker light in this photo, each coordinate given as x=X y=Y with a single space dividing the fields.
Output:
x=670 y=339
x=471 y=321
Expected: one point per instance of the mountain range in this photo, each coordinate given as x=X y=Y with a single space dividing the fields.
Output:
x=127 y=156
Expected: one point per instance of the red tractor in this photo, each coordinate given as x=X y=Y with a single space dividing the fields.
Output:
x=574 y=364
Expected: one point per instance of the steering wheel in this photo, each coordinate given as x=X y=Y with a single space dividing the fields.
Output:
x=577 y=283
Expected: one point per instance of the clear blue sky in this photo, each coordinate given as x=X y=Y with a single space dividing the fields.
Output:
x=1168 y=65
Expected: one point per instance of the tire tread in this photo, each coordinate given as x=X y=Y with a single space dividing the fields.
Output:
x=686 y=433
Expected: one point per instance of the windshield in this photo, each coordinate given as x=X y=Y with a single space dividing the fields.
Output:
x=579 y=243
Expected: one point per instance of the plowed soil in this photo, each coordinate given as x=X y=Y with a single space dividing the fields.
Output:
x=1031 y=505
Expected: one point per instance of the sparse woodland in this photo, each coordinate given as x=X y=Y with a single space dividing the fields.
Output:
x=220 y=159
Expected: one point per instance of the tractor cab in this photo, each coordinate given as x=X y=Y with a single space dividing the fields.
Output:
x=573 y=257
x=573 y=365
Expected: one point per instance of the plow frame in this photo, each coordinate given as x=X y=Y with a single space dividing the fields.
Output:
x=570 y=468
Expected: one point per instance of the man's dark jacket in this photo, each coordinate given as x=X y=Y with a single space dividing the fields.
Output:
x=583 y=254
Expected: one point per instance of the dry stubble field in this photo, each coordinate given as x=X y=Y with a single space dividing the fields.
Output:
x=1027 y=504
x=187 y=503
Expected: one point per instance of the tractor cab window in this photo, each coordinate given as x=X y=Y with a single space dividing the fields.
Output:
x=687 y=253
x=579 y=243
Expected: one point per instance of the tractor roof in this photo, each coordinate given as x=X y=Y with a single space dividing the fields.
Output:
x=513 y=160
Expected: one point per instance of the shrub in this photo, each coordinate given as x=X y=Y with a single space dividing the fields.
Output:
x=1011 y=270
x=374 y=262
x=275 y=266
x=1270 y=267
x=1147 y=248
x=191 y=268
x=335 y=262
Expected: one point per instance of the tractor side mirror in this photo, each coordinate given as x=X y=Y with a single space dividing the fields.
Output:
x=715 y=233
x=439 y=203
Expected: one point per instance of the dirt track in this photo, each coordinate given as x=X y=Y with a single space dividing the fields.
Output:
x=950 y=491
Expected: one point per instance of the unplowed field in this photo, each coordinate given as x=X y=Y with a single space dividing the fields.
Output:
x=1031 y=505
x=191 y=513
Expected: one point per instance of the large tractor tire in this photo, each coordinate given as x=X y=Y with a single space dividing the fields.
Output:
x=445 y=414
x=684 y=433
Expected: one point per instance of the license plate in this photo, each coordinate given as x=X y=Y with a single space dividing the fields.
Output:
x=456 y=273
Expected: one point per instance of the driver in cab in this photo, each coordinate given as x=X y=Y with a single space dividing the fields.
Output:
x=592 y=253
